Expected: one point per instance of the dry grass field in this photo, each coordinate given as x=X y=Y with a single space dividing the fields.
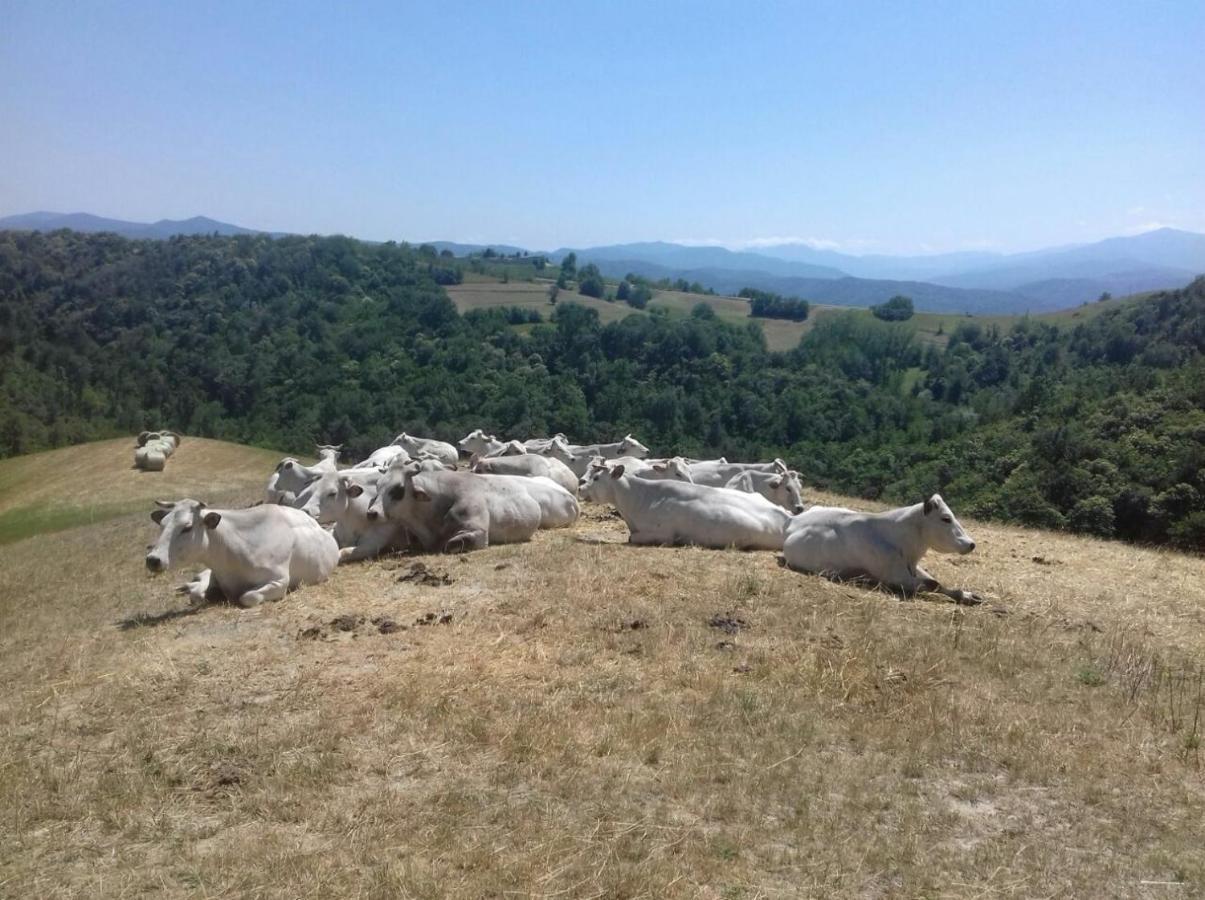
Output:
x=576 y=717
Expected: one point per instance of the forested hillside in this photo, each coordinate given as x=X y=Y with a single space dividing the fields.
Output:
x=279 y=342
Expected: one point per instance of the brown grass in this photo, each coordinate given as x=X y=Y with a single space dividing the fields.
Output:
x=578 y=729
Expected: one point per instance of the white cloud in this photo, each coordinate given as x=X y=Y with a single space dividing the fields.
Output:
x=1148 y=226
x=852 y=245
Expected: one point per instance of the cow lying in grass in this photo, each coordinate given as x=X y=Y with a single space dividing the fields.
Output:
x=451 y=512
x=250 y=555
x=883 y=547
x=678 y=512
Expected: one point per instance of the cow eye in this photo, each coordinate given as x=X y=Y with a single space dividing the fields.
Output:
x=331 y=493
x=186 y=528
x=946 y=519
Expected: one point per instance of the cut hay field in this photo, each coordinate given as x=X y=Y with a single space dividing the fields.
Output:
x=576 y=717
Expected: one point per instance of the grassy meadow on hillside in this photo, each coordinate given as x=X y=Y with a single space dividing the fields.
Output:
x=577 y=717
x=480 y=293
x=72 y=486
x=486 y=290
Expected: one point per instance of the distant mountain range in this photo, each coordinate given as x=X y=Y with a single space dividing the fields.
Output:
x=975 y=282
x=164 y=228
x=1039 y=281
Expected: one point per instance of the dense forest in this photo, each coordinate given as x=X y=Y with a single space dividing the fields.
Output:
x=280 y=342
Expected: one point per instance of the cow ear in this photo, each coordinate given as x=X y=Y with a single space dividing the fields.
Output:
x=419 y=494
x=158 y=515
x=617 y=472
x=659 y=467
x=354 y=490
x=928 y=506
x=211 y=519
x=287 y=464
x=776 y=482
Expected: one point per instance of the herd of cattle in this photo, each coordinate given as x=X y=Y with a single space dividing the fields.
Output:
x=414 y=492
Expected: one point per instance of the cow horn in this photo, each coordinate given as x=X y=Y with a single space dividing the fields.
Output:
x=165 y=504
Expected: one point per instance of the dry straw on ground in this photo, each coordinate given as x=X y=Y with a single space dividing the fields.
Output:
x=579 y=718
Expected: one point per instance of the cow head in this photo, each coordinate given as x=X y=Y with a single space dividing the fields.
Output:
x=184 y=528
x=392 y=491
x=787 y=492
x=629 y=446
x=558 y=449
x=941 y=530
x=595 y=484
x=476 y=441
x=330 y=496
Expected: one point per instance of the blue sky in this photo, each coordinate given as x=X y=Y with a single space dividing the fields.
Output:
x=869 y=127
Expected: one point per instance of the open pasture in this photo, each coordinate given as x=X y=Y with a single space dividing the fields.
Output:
x=578 y=717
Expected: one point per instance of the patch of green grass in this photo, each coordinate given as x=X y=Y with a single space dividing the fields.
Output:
x=27 y=521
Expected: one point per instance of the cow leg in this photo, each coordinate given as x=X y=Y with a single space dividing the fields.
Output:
x=273 y=590
x=958 y=595
x=201 y=588
x=464 y=541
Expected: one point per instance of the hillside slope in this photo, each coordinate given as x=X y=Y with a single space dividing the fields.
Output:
x=92 y=482
x=593 y=718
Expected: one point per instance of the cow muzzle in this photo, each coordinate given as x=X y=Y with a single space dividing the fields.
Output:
x=373 y=515
x=154 y=564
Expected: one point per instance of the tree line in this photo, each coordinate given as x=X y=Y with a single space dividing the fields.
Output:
x=1097 y=428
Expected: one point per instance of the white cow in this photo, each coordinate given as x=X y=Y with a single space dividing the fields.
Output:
x=510 y=448
x=290 y=479
x=677 y=512
x=456 y=511
x=415 y=446
x=558 y=507
x=251 y=555
x=328 y=456
x=578 y=456
x=385 y=456
x=342 y=499
x=719 y=472
x=885 y=547
x=529 y=464
x=785 y=490
x=478 y=443
x=598 y=490
x=539 y=445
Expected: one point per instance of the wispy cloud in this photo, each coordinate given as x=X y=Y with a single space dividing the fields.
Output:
x=851 y=245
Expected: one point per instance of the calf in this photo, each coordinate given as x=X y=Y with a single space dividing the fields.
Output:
x=885 y=547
